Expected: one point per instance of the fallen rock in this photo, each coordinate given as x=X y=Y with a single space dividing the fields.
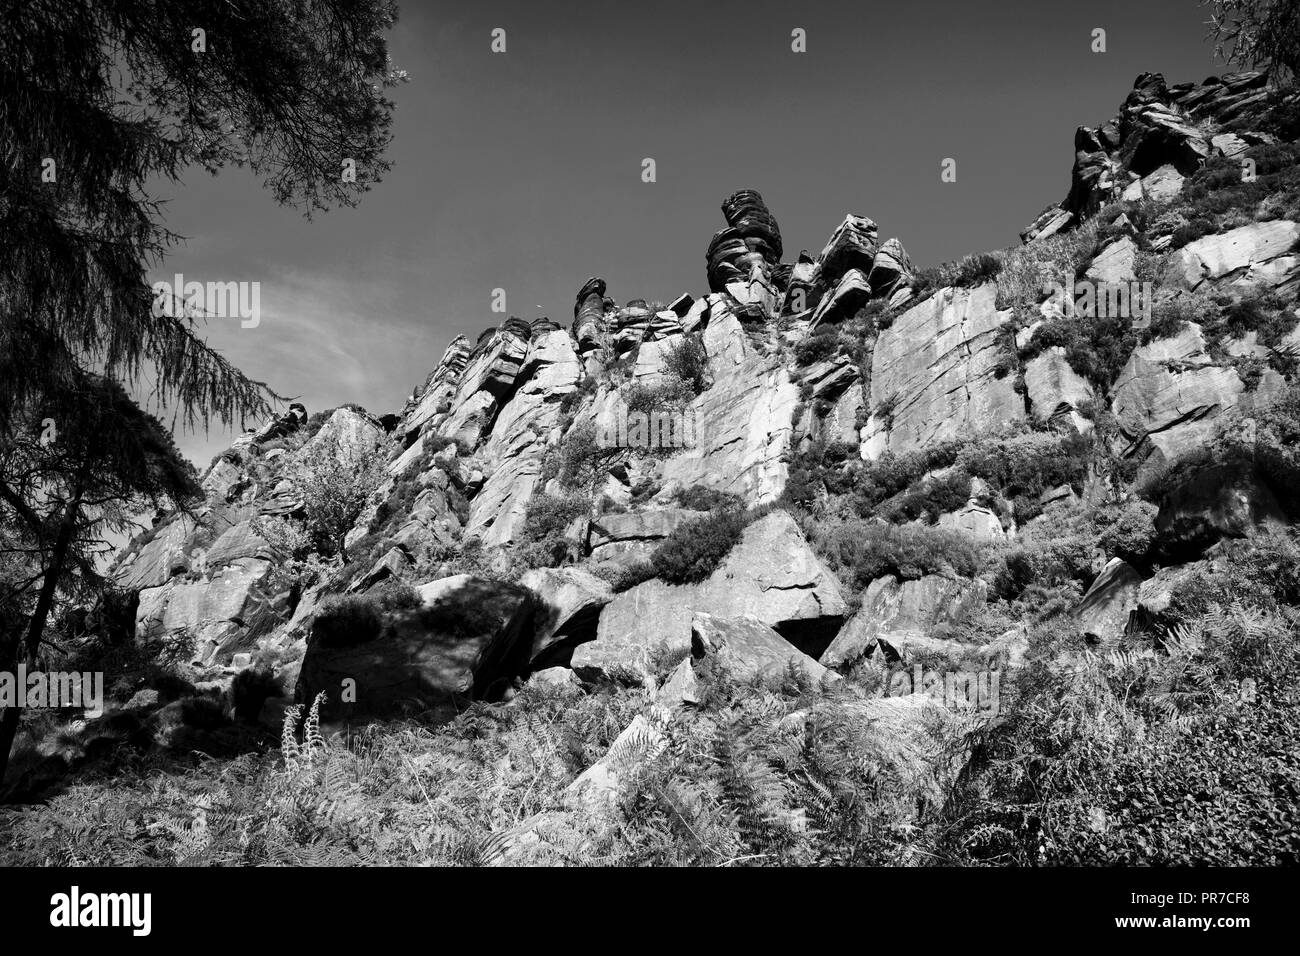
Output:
x=895 y=611
x=468 y=639
x=569 y=604
x=1103 y=614
x=746 y=648
x=555 y=680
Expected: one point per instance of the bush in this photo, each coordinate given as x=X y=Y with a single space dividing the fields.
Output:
x=672 y=392
x=972 y=270
x=700 y=498
x=694 y=549
x=689 y=362
x=1047 y=559
x=1097 y=347
x=544 y=543
x=861 y=551
x=203 y=713
x=347 y=620
x=823 y=344
x=250 y=689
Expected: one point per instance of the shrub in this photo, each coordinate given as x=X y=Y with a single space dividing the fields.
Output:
x=689 y=362
x=203 y=713
x=621 y=577
x=549 y=516
x=347 y=620
x=334 y=490
x=547 y=519
x=695 y=548
x=700 y=498
x=671 y=392
x=393 y=595
x=1097 y=347
x=250 y=689
x=861 y=551
x=1047 y=558
x=818 y=347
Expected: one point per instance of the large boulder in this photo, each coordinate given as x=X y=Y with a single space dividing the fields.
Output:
x=852 y=245
x=1103 y=613
x=771 y=574
x=466 y=640
x=569 y=604
x=901 y=612
x=747 y=648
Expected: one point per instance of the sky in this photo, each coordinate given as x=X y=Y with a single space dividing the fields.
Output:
x=522 y=170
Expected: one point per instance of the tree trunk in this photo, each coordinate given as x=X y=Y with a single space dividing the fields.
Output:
x=27 y=650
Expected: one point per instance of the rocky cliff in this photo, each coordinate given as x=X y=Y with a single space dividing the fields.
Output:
x=862 y=459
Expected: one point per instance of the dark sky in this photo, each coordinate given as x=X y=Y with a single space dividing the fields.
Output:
x=522 y=170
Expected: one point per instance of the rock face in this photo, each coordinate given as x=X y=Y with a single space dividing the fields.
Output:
x=743 y=421
x=513 y=451
x=469 y=636
x=1244 y=253
x=898 y=612
x=1168 y=395
x=771 y=574
x=1161 y=135
x=502 y=459
x=1056 y=391
x=934 y=374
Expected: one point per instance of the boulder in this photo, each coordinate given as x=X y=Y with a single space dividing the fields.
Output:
x=850 y=294
x=467 y=640
x=555 y=680
x=569 y=601
x=746 y=648
x=896 y=610
x=852 y=245
x=771 y=573
x=681 y=687
x=1049 y=222
x=1103 y=613
x=1159 y=185
x=1115 y=263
